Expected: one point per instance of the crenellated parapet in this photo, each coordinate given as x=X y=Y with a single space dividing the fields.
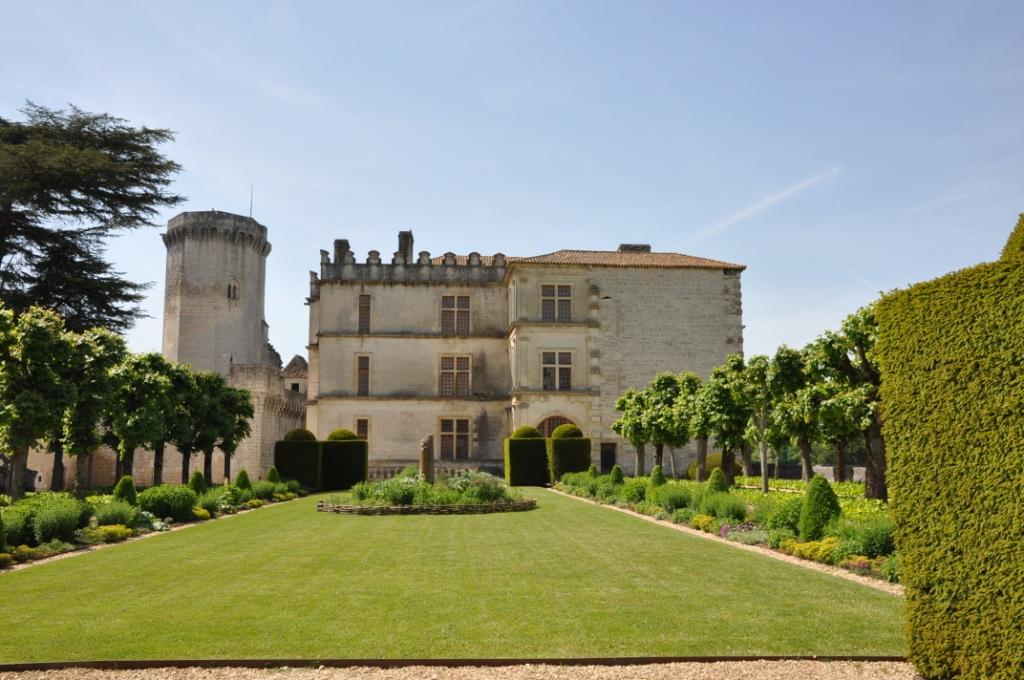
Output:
x=405 y=267
x=217 y=225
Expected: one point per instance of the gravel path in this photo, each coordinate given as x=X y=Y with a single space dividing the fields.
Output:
x=877 y=584
x=727 y=670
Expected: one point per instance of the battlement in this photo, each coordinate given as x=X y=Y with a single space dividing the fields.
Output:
x=405 y=268
x=210 y=224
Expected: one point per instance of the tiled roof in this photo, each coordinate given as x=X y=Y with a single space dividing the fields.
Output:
x=296 y=368
x=615 y=258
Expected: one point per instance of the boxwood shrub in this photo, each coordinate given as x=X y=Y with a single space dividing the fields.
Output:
x=820 y=507
x=526 y=460
x=56 y=516
x=174 y=501
x=951 y=354
x=124 y=491
x=345 y=463
x=242 y=480
x=299 y=460
x=341 y=434
x=197 y=483
x=299 y=434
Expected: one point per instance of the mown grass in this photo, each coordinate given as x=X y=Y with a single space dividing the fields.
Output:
x=567 y=579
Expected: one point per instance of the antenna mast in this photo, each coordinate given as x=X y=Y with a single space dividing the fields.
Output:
x=252 y=187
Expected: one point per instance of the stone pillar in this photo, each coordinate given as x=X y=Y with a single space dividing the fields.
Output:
x=427 y=458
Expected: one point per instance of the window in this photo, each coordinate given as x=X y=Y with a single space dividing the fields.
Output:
x=556 y=371
x=364 y=313
x=363 y=428
x=455 y=379
x=295 y=387
x=556 y=303
x=548 y=425
x=454 y=315
x=232 y=291
x=362 y=375
x=454 y=438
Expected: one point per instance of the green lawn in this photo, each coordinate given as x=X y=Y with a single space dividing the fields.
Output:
x=568 y=579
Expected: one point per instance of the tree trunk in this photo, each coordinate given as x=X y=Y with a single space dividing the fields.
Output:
x=88 y=472
x=57 y=475
x=763 y=452
x=158 y=464
x=208 y=467
x=702 y=458
x=840 y=460
x=672 y=460
x=185 y=459
x=745 y=458
x=729 y=465
x=129 y=464
x=227 y=467
x=875 y=485
x=640 y=460
x=805 y=457
x=659 y=454
x=19 y=465
x=82 y=473
x=118 y=466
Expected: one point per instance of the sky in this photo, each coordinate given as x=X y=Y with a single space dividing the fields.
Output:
x=837 y=149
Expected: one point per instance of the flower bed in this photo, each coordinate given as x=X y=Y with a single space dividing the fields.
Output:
x=464 y=509
x=847 y=531
x=46 y=524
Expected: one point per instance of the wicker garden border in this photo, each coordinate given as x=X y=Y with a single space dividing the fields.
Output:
x=476 y=509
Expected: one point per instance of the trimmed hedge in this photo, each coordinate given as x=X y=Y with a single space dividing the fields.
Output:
x=526 y=461
x=569 y=454
x=527 y=432
x=299 y=434
x=566 y=431
x=299 y=460
x=951 y=353
x=344 y=463
x=341 y=434
x=166 y=500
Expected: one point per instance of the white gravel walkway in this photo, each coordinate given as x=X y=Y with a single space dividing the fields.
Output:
x=728 y=670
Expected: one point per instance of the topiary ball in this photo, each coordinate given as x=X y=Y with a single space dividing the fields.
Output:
x=657 y=476
x=197 y=483
x=273 y=475
x=125 y=490
x=821 y=506
x=341 y=435
x=717 y=481
x=527 y=432
x=616 y=475
x=242 y=480
x=566 y=431
x=300 y=434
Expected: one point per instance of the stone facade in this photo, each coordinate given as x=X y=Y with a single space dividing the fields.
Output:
x=382 y=335
x=214 y=321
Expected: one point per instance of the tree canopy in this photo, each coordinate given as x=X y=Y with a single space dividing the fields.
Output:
x=68 y=180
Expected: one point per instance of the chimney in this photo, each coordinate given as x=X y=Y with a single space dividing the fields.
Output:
x=634 y=247
x=340 y=248
x=405 y=245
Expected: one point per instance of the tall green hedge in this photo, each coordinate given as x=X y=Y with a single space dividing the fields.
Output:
x=951 y=353
x=568 y=454
x=526 y=462
x=299 y=460
x=344 y=463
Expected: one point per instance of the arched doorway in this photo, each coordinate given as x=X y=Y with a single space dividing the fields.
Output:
x=548 y=425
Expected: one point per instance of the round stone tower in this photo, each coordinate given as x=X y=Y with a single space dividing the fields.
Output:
x=213 y=299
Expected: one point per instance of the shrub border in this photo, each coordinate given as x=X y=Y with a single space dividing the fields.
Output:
x=474 y=509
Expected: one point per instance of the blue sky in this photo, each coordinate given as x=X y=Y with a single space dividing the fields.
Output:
x=837 y=149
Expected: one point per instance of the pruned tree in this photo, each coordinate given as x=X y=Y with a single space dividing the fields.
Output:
x=238 y=405
x=33 y=396
x=632 y=424
x=141 y=406
x=722 y=400
x=94 y=356
x=844 y=412
x=662 y=424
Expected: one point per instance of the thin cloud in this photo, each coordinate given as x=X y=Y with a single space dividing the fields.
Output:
x=941 y=201
x=766 y=203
